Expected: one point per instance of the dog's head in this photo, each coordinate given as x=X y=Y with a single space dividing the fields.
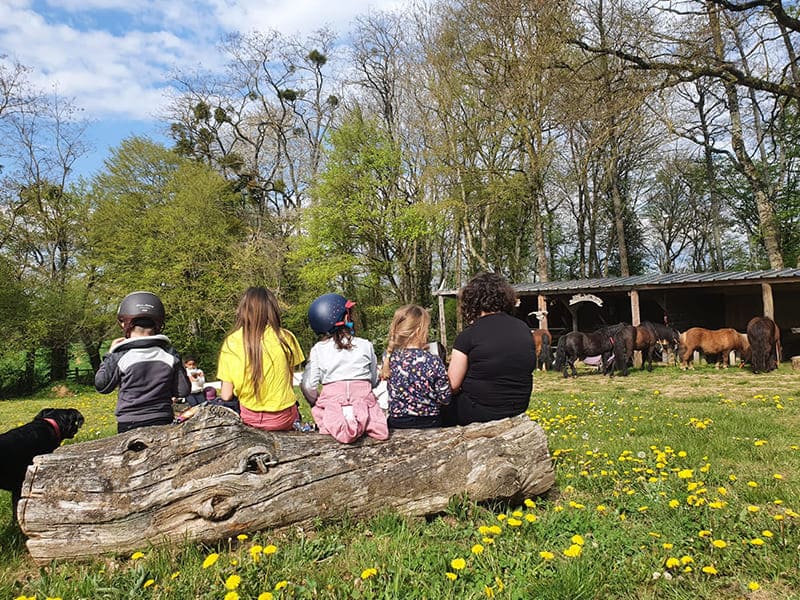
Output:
x=69 y=420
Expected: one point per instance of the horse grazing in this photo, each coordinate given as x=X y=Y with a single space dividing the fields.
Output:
x=711 y=341
x=544 y=353
x=765 y=339
x=624 y=337
x=659 y=335
x=576 y=345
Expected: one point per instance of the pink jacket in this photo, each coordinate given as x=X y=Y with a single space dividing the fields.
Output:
x=347 y=410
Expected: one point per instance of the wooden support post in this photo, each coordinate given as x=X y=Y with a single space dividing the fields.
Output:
x=442 y=324
x=542 y=306
x=766 y=298
x=635 y=320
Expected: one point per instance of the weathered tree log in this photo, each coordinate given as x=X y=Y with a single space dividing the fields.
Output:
x=213 y=477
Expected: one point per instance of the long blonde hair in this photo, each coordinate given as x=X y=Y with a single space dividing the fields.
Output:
x=409 y=327
x=257 y=310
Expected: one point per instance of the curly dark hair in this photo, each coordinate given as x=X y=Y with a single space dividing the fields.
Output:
x=486 y=292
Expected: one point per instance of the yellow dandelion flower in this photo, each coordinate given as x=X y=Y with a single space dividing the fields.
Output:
x=686 y=473
x=517 y=513
x=752 y=484
x=137 y=555
x=514 y=522
x=232 y=582
x=280 y=585
x=530 y=503
x=719 y=544
x=210 y=560
x=756 y=542
x=709 y=570
x=458 y=564
x=752 y=508
x=672 y=562
x=270 y=549
x=487 y=540
x=674 y=503
x=531 y=518
x=451 y=576
x=573 y=551
x=483 y=530
x=767 y=533
x=265 y=596
x=667 y=546
x=175 y=575
x=500 y=585
x=686 y=559
x=231 y=596
x=778 y=517
x=367 y=573
x=777 y=476
x=577 y=539
x=241 y=537
x=477 y=549
x=558 y=508
x=148 y=583
x=545 y=555
x=488 y=591
x=502 y=517
x=703 y=533
x=495 y=529
x=759 y=442
x=753 y=586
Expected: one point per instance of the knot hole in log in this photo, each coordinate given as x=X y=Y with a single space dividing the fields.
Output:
x=260 y=463
x=136 y=445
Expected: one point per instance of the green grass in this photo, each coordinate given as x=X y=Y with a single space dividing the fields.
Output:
x=621 y=449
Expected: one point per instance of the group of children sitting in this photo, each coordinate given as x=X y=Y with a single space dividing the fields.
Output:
x=338 y=377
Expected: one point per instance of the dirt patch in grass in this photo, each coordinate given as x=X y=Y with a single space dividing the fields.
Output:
x=732 y=383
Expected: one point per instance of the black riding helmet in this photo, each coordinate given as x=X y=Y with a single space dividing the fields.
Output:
x=328 y=312
x=144 y=306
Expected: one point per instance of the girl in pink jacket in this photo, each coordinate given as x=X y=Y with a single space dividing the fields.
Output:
x=346 y=367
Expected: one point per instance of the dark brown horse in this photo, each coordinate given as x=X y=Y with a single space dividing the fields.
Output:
x=765 y=339
x=542 y=340
x=711 y=341
x=576 y=345
x=650 y=336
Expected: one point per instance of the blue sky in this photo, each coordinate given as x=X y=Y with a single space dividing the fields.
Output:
x=113 y=58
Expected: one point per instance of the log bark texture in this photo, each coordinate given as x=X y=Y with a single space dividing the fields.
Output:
x=212 y=477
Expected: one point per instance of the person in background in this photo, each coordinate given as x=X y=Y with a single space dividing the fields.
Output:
x=491 y=366
x=143 y=364
x=416 y=379
x=346 y=367
x=257 y=361
x=197 y=378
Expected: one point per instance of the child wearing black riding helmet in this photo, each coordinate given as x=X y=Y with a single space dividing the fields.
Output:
x=143 y=364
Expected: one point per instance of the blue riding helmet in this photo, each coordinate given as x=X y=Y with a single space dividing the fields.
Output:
x=328 y=312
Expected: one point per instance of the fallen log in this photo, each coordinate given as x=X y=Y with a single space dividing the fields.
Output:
x=212 y=477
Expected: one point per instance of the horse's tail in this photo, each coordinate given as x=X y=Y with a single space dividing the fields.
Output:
x=561 y=353
x=546 y=354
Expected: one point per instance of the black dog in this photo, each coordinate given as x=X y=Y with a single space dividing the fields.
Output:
x=41 y=436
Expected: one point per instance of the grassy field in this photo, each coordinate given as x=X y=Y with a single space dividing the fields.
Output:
x=668 y=485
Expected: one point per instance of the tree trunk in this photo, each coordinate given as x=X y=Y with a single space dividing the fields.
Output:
x=212 y=477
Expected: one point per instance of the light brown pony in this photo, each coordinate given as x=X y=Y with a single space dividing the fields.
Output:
x=542 y=340
x=765 y=344
x=711 y=341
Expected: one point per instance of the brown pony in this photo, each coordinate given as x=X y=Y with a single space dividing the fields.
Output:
x=765 y=343
x=711 y=341
x=542 y=340
x=646 y=343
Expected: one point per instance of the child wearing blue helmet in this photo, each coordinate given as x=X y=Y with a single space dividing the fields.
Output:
x=347 y=369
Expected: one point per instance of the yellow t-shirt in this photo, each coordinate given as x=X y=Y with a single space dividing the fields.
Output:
x=276 y=385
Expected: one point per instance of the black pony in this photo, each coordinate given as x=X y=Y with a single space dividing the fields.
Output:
x=576 y=345
x=667 y=336
x=624 y=338
x=765 y=338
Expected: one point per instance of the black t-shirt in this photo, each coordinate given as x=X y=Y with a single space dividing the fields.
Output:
x=500 y=356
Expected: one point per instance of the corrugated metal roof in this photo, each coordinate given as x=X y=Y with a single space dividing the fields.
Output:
x=653 y=280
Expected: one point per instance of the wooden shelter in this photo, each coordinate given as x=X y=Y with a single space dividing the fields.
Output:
x=711 y=300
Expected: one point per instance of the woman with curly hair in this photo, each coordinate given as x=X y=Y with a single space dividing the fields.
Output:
x=491 y=367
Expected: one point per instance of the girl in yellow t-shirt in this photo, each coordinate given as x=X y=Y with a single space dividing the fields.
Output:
x=257 y=363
